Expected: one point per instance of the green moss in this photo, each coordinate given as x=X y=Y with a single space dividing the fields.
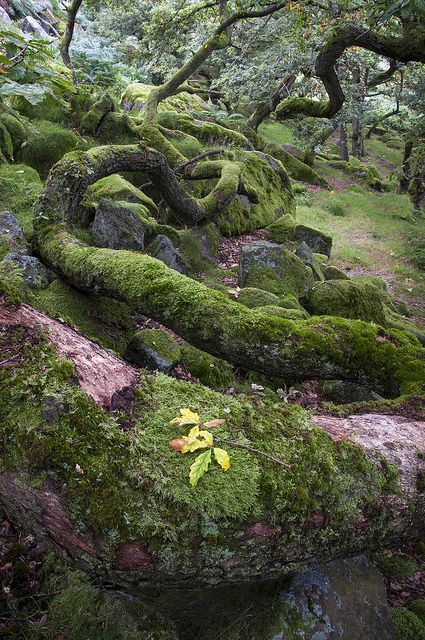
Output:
x=397 y=567
x=47 y=143
x=290 y=314
x=20 y=186
x=251 y=297
x=407 y=625
x=6 y=146
x=11 y=282
x=79 y=611
x=208 y=133
x=159 y=342
x=135 y=96
x=297 y=169
x=282 y=229
x=103 y=320
x=48 y=109
x=418 y=608
x=347 y=299
x=115 y=187
x=17 y=129
x=92 y=120
x=210 y=371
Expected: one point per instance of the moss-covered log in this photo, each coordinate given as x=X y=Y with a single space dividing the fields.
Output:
x=89 y=468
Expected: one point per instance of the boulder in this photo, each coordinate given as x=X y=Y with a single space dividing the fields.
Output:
x=333 y=273
x=117 y=227
x=274 y=268
x=343 y=599
x=251 y=297
x=347 y=299
x=163 y=249
x=4 y=16
x=310 y=259
x=318 y=241
x=32 y=25
x=11 y=232
x=35 y=274
x=153 y=349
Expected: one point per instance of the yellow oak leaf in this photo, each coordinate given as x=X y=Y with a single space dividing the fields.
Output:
x=222 y=458
x=199 y=467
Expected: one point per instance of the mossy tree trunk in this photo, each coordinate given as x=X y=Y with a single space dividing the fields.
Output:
x=317 y=348
x=116 y=498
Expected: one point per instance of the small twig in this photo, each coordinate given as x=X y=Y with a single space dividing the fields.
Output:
x=9 y=359
x=232 y=443
x=205 y=154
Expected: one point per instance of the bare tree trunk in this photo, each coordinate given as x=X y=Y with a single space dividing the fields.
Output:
x=65 y=42
x=343 y=142
x=405 y=167
x=265 y=108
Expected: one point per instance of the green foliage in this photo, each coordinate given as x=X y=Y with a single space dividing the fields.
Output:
x=397 y=566
x=199 y=438
x=408 y=626
x=28 y=68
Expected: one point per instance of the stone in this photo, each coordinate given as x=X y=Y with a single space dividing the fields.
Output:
x=342 y=599
x=163 y=249
x=305 y=254
x=153 y=349
x=347 y=299
x=4 y=16
x=36 y=276
x=272 y=267
x=318 y=241
x=116 y=227
x=333 y=273
x=251 y=297
x=31 y=25
x=10 y=230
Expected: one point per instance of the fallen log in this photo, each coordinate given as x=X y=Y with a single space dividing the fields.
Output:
x=99 y=481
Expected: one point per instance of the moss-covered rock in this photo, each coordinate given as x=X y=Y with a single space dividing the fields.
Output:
x=115 y=187
x=333 y=273
x=418 y=608
x=397 y=566
x=346 y=299
x=290 y=314
x=47 y=143
x=18 y=130
x=135 y=96
x=50 y=108
x=117 y=227
x=20 y=186
x=318 y=241
x=210 y=371
x=153 y=349
x=199 y=246
x=271 y=267
x=251 y=297
x=282 y=229
x=407 y=625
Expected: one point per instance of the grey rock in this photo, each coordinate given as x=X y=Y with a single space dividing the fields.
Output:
x=116 y=227
x=36 y=276
x=4 y=16
x=11 y=231
x=32 y=25
x=343 y=599
x=318 y=241
x=272 y=267
x=163 y=249
x=153 y=349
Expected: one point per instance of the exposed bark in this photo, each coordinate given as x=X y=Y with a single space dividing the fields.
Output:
x=371 y=506
x=317 y=141
x=65 y=42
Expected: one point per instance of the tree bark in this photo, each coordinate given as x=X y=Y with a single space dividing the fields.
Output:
x=348 y=485
x=343 y=143
x=65 y=42
x=265 y=108
x=405 y=167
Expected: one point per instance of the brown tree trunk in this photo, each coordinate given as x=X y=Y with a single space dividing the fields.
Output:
x=343 y=143
x=405 y=167
x=65 y=42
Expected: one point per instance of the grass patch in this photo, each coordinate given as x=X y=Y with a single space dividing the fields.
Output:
x=277 y=133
